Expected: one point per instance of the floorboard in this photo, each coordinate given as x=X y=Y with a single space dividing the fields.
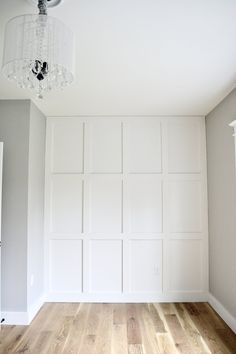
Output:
x=72 y=328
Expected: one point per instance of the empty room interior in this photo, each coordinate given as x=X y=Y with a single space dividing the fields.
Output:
x=118 y=176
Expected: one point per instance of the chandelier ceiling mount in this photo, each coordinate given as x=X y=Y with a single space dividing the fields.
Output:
x=50 y=3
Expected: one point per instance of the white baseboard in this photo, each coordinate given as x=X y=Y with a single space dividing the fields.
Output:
x=120 y=298
x=223 y=313
x=35 y=307
x=23 y=318
x=15 y=318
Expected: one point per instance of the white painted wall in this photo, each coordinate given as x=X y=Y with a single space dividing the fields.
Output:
x=125 y=209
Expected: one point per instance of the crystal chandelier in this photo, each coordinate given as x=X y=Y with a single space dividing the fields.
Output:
x=38 y=52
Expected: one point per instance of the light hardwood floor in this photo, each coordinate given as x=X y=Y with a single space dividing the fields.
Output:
x=121 y=329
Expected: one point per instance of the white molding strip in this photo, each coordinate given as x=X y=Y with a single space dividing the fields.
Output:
x=134 y=298
x=15 y=318
x=222 y=312
x=23 y=318
x=34 y=308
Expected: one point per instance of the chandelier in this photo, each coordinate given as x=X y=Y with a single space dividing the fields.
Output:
x=38 y=52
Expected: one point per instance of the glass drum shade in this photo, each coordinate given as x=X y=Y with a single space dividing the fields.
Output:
x=38 y=52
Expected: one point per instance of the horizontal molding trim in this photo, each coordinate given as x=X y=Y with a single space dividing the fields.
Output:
x=25 y=318
x=15 y=318
x=124 y=298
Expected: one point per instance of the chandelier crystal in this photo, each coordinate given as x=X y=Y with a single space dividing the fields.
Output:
x=38 y=52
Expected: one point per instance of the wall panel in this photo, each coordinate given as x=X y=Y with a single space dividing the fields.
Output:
x=66 y=265
x=186 y=265
x=126 y=211
x=184 y=146
x=66 y=204
x=67 y=154
x=143 y=146
x=145 y=266
x=105 y=271
x=105 y=146
x=144 y=204
x=105 y=204
x=185 y=207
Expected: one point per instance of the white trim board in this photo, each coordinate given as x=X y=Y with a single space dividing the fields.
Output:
x=35 y=307
x=127 y=298
x=15 y=318
x=222 y=312
x=23 y=318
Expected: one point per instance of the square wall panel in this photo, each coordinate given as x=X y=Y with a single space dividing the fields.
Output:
x=185 y=206
x=105 y=271
x=184 y=147
x=66 y=265
x=67 y=146
x=105 y=204
x=145 y=266
x=143 y=146
x=66 y=204
x=105 y=146
x=186 y=264
x=144 y=201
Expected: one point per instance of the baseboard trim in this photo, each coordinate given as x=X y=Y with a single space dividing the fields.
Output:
x=35 y=307
x=23 y=318
x=15 y=318
x=222 y=312
x=135 y=298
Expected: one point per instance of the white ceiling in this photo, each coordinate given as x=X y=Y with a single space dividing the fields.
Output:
x=140 y=57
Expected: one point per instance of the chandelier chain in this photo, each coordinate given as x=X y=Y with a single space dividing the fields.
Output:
x=42 y=6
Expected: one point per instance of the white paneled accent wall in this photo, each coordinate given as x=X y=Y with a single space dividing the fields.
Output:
x=126 y=209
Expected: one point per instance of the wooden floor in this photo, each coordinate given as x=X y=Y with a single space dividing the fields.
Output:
x=120 y=329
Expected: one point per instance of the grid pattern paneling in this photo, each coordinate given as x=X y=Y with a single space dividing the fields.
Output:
x=125 y=214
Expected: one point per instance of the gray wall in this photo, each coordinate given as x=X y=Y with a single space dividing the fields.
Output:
x=22 y=130
x=14 y=132
x=36 y=205
x=222 y=202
